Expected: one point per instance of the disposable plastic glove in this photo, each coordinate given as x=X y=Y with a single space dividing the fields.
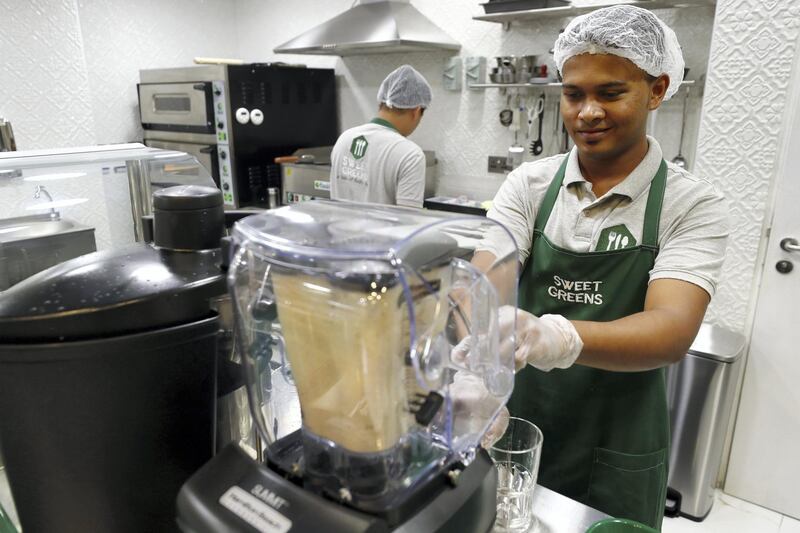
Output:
x=546 y=342
x=473 y=405
x=496 y=429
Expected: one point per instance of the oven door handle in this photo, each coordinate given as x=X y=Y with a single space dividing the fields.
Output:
x=199 y=86
x=207 y=150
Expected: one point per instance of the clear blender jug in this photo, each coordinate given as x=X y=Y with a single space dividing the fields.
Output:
x=371 y=343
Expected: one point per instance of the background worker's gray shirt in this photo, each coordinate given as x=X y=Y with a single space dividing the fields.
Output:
x=374 y=163
x=693 y=228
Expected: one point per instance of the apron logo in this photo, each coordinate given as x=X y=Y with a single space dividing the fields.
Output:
x=615 y=238
x=576 y=292
x=359 y=147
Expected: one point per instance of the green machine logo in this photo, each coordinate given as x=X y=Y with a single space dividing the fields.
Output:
x=359 y=147
x=615 y=238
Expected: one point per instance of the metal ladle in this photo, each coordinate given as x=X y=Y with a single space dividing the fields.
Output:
x=679 y=159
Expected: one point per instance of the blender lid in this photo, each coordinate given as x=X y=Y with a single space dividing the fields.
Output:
x=103 y=294
x=331 y=230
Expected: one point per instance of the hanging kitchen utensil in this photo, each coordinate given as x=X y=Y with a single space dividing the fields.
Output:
x=515 y=151
x=506 y=115
x=516 y=119
x=537 y=145
x=679 y=159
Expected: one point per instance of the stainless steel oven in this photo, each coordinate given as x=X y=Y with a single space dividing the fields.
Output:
x=235 y=119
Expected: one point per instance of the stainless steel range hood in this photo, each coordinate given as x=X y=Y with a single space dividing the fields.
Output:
x=372 y=27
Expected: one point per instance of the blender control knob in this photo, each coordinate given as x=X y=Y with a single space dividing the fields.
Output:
x=453 y=476
x=345 y=495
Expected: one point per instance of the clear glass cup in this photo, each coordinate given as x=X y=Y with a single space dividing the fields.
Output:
x=516 y=457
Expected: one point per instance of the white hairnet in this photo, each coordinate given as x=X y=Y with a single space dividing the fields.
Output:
x=626 y=31
x=405 y=88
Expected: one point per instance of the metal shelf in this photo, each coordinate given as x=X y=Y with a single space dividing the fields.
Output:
x=538 y=85
x=507 y=18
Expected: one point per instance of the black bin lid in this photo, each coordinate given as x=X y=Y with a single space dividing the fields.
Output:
x=110 y=293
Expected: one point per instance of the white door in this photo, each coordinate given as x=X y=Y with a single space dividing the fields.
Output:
x=764 y=465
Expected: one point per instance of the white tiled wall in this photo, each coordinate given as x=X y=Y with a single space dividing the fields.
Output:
x=755 y=42
x=121 y=37
x=68 y=74
x=44 y=85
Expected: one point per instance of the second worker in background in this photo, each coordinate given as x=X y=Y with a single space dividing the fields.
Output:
x=375 y=162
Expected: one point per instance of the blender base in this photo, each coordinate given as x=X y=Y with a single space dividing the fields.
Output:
x=234 y=493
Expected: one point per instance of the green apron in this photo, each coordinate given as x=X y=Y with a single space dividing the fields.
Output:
x=606 y=434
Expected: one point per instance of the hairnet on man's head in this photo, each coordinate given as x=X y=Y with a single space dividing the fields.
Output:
x=626 y=31
x=405 y=88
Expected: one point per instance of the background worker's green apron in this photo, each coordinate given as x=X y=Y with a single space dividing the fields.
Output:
x=606 y=434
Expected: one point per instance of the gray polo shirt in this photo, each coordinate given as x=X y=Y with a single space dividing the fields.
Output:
x=376 y=164
x=693 y=228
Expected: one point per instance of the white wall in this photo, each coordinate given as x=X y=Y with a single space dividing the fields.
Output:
x=68 y=74
x=44 y=86
x=742 y=127
x=68 y=68
x=121 y=37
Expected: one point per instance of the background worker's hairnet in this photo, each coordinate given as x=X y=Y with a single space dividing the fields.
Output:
x=405 y=88
x=626 y=31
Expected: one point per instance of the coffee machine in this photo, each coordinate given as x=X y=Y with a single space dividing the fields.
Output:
x=374 y=365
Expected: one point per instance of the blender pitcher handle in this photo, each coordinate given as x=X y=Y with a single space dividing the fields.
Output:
x=484 y=357
x=286 y=369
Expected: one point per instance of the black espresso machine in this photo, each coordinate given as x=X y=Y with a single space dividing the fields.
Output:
x=344 y=323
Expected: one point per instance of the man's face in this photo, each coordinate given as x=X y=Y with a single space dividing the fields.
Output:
x=605 y=101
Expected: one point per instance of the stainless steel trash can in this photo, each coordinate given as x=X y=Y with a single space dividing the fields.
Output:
x=700 y=390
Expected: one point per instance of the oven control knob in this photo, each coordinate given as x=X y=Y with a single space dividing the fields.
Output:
x=242 y=115
x=223 y=155
x=220 y=125
x=226 y=186
x=256 y=117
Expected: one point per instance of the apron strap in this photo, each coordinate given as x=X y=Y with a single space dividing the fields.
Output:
x=652 y=214
x=550 y=197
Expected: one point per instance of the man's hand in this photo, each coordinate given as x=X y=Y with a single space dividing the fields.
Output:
x=496 y=429
x=546 y=342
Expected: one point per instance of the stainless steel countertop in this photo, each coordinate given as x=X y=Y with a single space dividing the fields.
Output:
x=558 y=514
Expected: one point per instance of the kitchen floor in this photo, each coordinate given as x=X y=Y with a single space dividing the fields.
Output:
x=732 y=515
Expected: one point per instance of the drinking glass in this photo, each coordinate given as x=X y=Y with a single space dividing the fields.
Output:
x=516 y=457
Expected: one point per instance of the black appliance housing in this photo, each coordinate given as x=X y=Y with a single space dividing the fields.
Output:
x=108 y=368
x=237 y=118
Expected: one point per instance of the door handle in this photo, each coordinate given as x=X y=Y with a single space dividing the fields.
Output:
x=207 y=150
x=790 y=245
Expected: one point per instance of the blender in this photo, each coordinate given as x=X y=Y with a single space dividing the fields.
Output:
x=374 y=365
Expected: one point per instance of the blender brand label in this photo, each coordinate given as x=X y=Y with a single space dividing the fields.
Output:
x=578 y=292
x=255 y=512
x=270 y=497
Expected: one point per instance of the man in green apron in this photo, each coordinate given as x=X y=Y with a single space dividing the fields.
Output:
x=619 y=254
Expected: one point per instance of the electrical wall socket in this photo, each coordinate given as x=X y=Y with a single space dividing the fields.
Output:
x=497 y=164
